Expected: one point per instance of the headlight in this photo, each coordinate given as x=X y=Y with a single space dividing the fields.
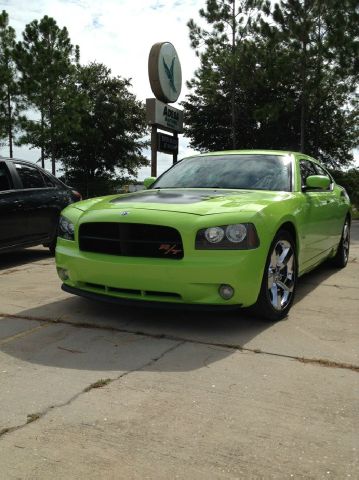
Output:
x=214 y=234
x=239 y=236
x=66 y=229
x=236 y=233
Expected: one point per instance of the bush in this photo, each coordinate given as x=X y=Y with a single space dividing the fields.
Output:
x=350 y=181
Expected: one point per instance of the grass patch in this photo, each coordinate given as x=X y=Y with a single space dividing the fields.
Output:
x=32 y=417
x=99 y=384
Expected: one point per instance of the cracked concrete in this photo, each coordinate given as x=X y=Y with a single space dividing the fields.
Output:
x=34 y=417
x=94 y=391
x=317 y=361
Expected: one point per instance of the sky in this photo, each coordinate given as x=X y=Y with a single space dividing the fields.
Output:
x=119 y=34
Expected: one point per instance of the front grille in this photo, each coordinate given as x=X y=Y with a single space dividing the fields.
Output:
x=131 y=240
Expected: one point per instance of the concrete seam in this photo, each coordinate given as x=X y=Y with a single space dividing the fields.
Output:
x=24 y=334
x=314 y=361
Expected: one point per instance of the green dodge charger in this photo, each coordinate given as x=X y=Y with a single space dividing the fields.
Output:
x=225 y=229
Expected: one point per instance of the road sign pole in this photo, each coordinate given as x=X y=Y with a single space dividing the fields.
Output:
x=154 y=151
x=175 y=155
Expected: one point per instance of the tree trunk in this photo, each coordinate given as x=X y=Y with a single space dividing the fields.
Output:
x=303 y=97
x=42 y=140
x=9 y=123
x=302 y=122
x=233 y=86
x=52 y=138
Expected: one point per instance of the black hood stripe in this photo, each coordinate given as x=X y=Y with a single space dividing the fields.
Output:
x=174 y=196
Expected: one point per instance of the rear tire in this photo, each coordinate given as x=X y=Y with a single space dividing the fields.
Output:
x=341 y=257
x=279 y=279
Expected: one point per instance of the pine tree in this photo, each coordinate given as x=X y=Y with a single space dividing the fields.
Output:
x=46 y=61
x=8 y=87
x=221 y=50
x=318 y=41
x=295 y=83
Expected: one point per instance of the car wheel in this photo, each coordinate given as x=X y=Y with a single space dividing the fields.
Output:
x=341 y=257
x=279 y=279
x=52 y=245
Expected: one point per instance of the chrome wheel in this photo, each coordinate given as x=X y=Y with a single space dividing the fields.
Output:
x=281 y=275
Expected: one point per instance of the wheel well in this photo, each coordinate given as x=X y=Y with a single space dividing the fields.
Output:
x=290 y=228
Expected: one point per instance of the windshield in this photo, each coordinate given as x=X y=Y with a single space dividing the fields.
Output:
x=248 y=172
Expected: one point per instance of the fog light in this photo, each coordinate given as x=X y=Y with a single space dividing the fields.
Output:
x=63 y=274
x=226 y=291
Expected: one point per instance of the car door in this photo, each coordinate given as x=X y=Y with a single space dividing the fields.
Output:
x=315 y=224
x=13 y=228
x=39 y=202
x=334 y=211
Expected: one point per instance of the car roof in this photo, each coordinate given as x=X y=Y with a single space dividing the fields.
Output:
x=251 y=152
x=8 y=159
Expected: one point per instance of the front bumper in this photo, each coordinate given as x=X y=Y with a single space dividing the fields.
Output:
x=193 y=280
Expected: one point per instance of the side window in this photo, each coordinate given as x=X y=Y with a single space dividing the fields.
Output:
x=30 y=176
x=47 y=180
x=306 y=170
x=5 y=178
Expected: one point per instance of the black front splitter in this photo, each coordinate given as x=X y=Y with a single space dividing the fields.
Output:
x=146 y=303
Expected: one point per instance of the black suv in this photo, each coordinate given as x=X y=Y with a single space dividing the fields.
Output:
x=31 y=200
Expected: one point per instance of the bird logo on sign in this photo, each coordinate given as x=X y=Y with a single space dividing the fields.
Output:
x=170 y=73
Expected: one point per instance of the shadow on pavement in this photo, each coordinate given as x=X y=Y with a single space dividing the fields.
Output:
x=22 y=257
x=111 y=336
x=310 y=281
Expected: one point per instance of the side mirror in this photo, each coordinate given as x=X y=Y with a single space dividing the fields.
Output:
x=321 y=182
x=149 y=181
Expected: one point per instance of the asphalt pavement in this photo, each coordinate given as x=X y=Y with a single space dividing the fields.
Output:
x=96 y=391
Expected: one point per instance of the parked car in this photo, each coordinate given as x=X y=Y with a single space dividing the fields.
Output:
x=221 y=229
x=31 y=200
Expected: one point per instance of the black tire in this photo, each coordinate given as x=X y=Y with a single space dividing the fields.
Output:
x=280 y=276
x=52 y=246
x=341 y=257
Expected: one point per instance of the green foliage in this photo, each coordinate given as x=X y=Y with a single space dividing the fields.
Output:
x=109 y=141
x=350 y=181
x=282 y=77
x=46 y=61
x=101 y=183
x=217 y=85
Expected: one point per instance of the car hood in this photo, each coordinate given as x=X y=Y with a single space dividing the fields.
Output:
x=192 y=201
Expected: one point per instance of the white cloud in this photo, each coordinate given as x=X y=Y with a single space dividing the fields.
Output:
x=118 y=33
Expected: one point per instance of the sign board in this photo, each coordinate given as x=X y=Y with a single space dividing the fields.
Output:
x=164 y=115
x=167 y=144
x=164 y=71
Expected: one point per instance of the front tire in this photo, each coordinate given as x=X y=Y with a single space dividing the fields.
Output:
x=279 y=279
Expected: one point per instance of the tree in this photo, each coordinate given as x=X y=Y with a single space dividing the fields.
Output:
x=296 y=75
x=221 y=50
x=318 y=42
x=46 y=61
x=109 y=140
x=8 y=88
x=350 y=181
